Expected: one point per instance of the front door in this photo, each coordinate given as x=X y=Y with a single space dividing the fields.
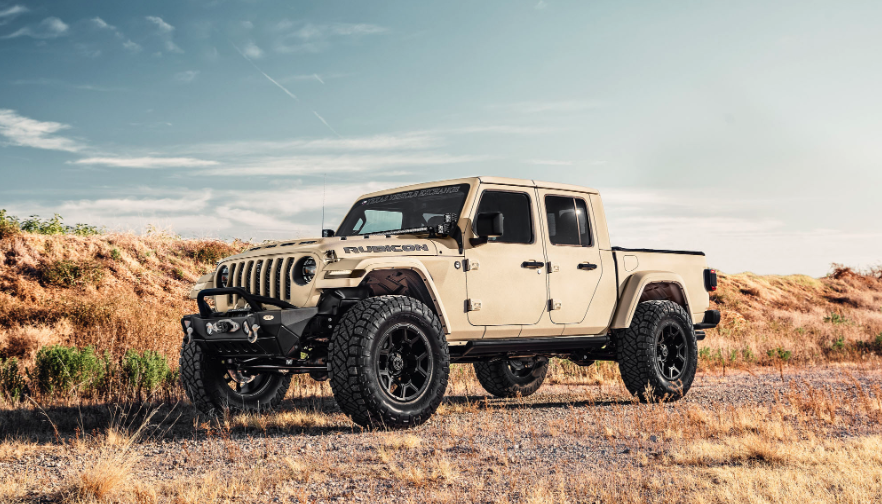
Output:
x=506 y=275
x=574 y=265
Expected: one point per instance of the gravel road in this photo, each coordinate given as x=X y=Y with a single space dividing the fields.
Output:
x=477 y=449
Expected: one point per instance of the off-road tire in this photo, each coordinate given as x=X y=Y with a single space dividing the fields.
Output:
x=352 y=352
x=637 y=351
x=498 y=378
x=203 y=378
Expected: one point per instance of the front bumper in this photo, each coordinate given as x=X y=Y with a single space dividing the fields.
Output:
x=256 y=333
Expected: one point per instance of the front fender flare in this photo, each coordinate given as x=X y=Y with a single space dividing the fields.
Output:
x=390 y=263
x=633 y=290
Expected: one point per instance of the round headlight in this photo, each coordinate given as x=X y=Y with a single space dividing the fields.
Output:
x=304 y=271
x=223 y=276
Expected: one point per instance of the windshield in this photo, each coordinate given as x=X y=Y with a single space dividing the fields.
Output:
x=406 y=210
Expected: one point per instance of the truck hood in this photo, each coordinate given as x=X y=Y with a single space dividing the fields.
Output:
x=343 y=247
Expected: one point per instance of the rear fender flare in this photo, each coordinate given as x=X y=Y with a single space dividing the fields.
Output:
x=634 y=288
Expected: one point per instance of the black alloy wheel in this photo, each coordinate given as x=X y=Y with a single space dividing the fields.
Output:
x=246 y=385
x=388 y=362
x=658 y=353
x=512 y=377
x=403 y=362
x=671 y=351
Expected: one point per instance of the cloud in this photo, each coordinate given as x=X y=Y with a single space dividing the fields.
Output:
x=534 y=107
x=251 y=50
x=132 y=46
x=548 y=162
x=101 y=24
x=311 y=38
x=49 y=28
x=123 y=206
x=10 y=13
x=541 y=5
x=165 y=32
x=331 y=163
x=25 y=132
x=146 y=162
x=187 y=76
x=405 y=141
x=62 y=84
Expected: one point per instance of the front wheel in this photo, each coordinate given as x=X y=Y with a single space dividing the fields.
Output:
x=212 y=388
x=658 y=354
x=388 y=362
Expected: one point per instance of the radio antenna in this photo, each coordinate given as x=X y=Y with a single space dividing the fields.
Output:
x=324 y=189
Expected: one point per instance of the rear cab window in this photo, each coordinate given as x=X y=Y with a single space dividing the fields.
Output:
x=568 y=221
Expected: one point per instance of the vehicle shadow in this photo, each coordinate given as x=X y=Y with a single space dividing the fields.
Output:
x=318 y=415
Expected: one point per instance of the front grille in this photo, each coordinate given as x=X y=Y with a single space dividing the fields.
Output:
x=264 y=277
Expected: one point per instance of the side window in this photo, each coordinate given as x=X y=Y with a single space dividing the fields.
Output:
x=517 y=223
x=568 y=221
x=584 y=223
x=563 y=225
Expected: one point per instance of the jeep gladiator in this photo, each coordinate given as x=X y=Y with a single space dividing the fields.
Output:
x=500 y=273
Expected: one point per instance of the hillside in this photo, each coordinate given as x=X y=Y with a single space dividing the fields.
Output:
x=121 y=291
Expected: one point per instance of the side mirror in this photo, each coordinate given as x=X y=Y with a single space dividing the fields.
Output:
x=488 y=225
x=327 y=233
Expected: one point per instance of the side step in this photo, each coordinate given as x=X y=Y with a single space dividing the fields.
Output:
x=478 y=350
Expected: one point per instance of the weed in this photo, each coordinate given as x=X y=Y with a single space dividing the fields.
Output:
x=115 y=254
x=146 y=371
x=12 y=383
x=210 y=252
x=836 y=319
x=780 y=354
x=59 y=369
x=838 y=344
x=179 y=273
x=65 y=273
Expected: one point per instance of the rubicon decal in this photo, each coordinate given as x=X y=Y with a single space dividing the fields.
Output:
x=385 y=248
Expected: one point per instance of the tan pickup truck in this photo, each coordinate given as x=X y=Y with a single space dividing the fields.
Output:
x=500 y=273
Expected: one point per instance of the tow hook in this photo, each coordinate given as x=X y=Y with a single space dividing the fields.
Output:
x=189 y=337
x=251 y=331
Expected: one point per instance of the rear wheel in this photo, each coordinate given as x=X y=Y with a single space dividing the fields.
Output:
x=388 y=362
x=214 y=388
x=512 y=378
x=658 y=353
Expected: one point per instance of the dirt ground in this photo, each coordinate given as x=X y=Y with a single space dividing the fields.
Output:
x=763 y=436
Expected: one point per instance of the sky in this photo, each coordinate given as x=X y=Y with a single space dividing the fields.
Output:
x=748 y=130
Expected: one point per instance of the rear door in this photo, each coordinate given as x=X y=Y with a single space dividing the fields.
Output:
x=574 y=265
x=506 y=275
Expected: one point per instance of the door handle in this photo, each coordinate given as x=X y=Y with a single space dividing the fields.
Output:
x=587 y=266
x=532 y=264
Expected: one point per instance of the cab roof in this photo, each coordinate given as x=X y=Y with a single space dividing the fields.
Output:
x=487 y=180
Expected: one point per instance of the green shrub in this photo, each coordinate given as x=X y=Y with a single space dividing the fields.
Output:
x=115 y=254
x=59 y=369
x=146 y=371
x=836 y=319
x=65 y=273
x=9 y=225
x=12 y=383
x=780 y=353
x=838 y=344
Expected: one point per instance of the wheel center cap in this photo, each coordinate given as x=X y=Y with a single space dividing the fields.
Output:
x=397 y=363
